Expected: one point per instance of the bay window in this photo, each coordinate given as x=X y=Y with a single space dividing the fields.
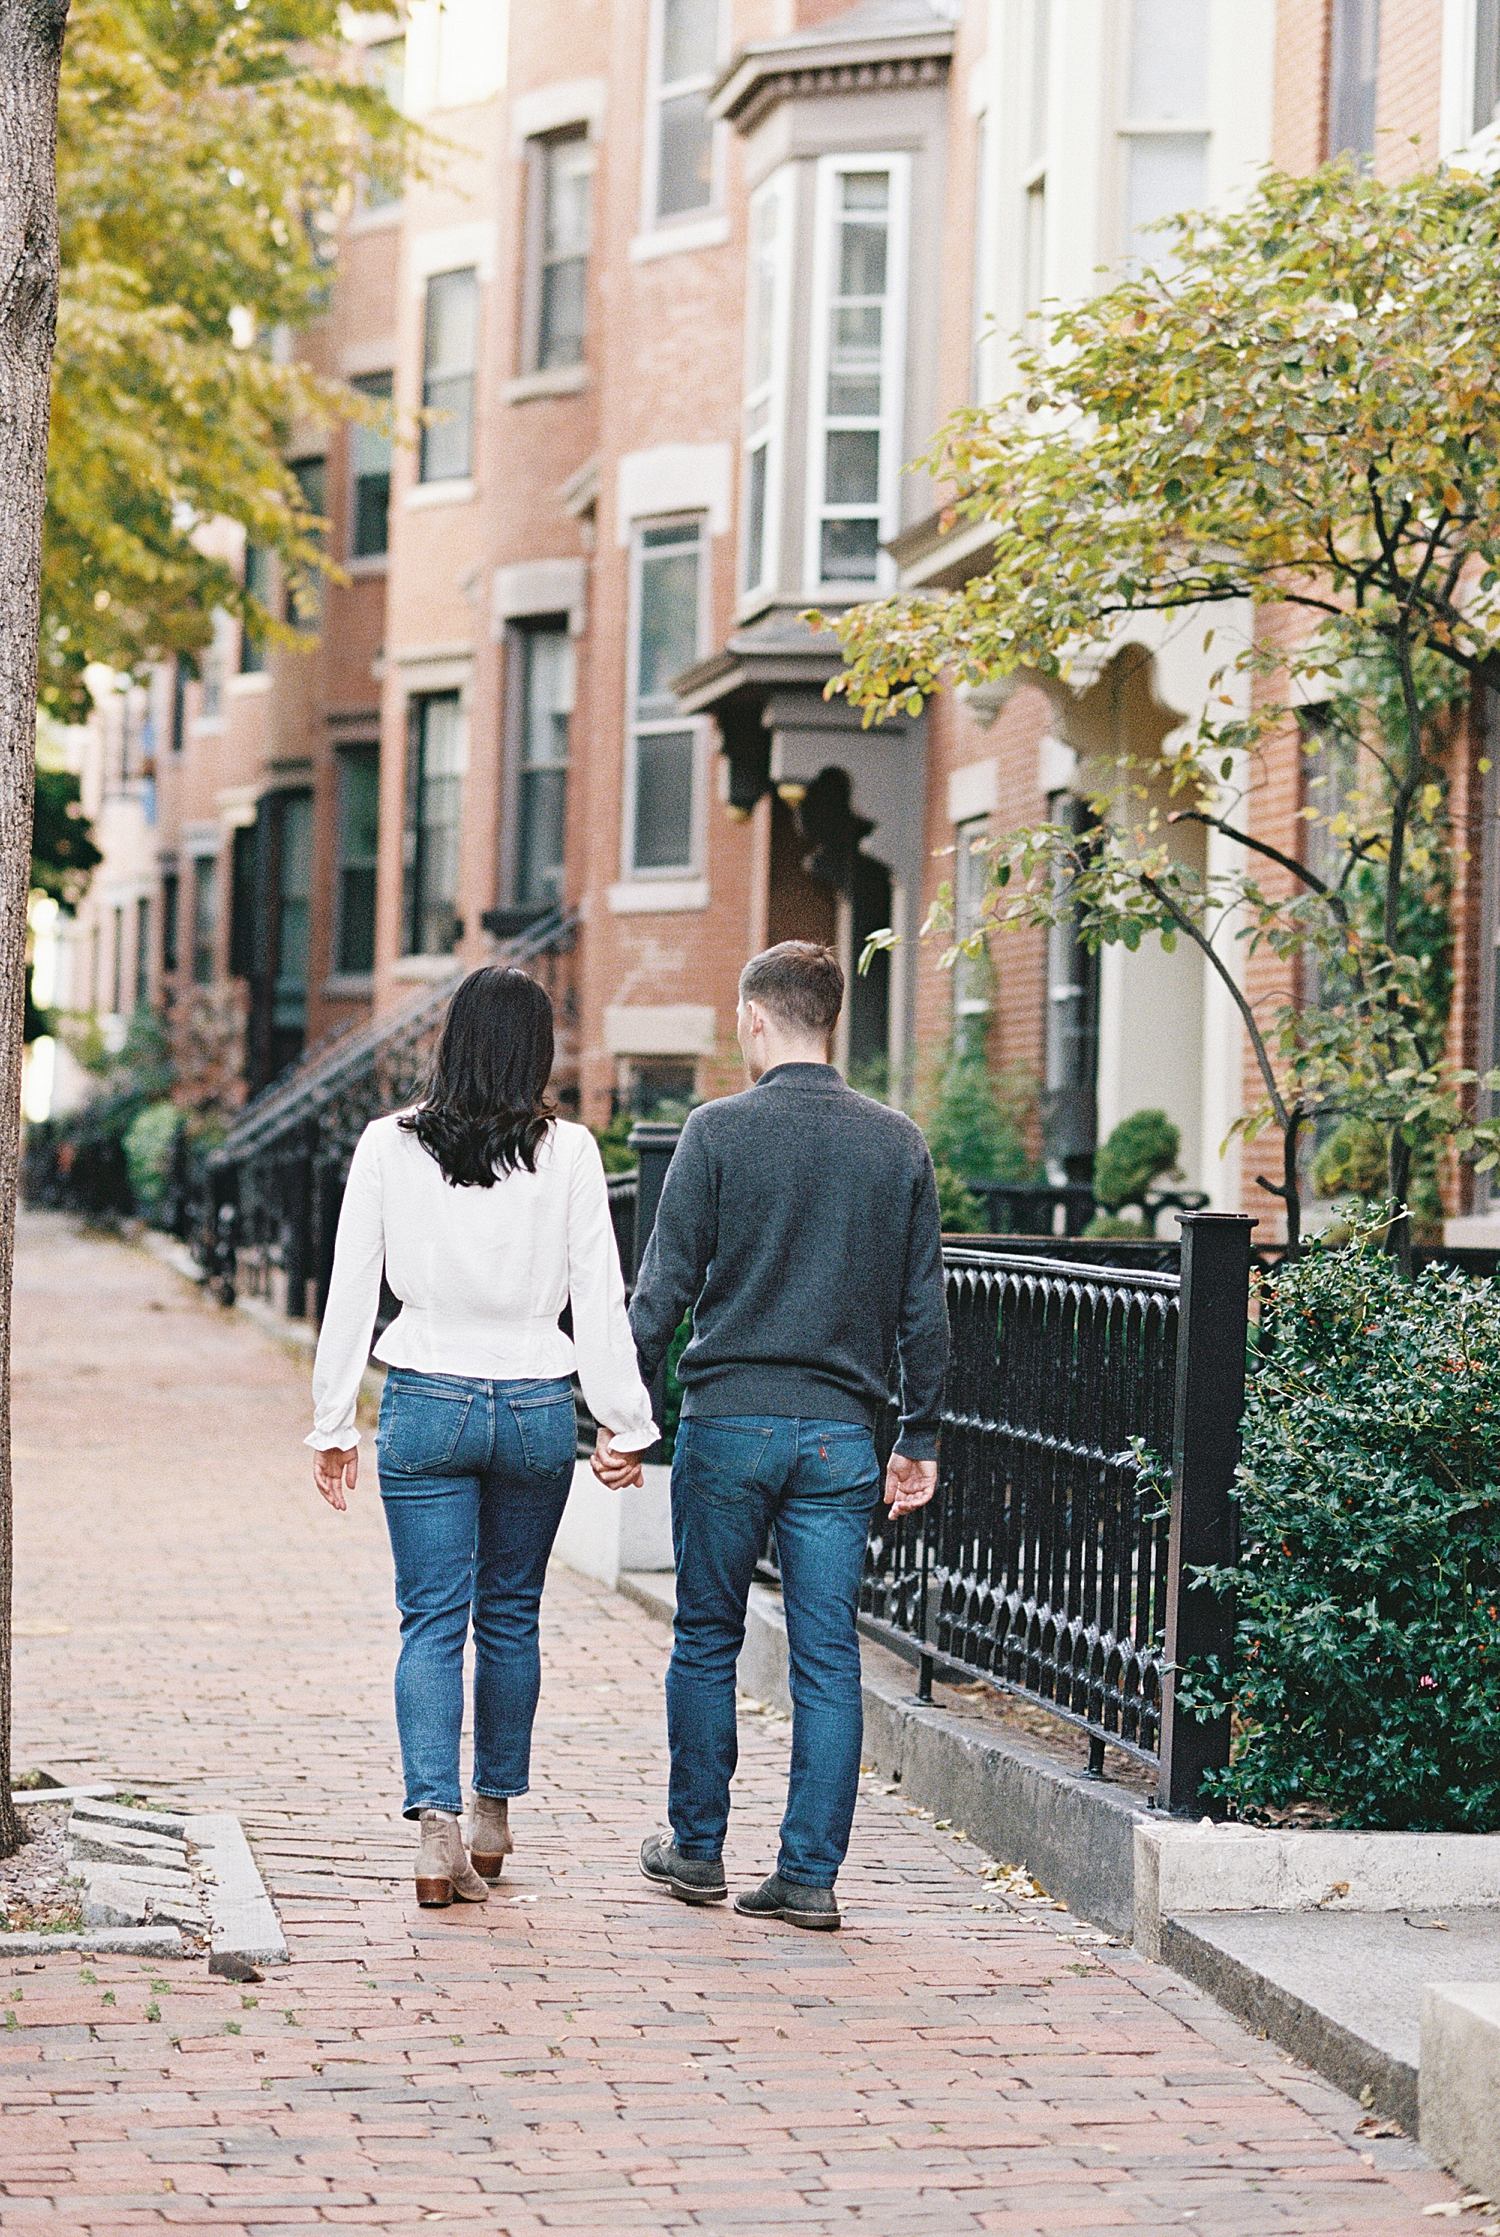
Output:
x=858 y=338
x=766 y=319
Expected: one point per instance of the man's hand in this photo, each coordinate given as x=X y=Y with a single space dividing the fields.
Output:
x=617 y=1469
x=909 y=1484
x=336 y=1472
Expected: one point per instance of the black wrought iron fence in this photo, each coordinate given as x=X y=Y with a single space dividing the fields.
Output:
x=1089 y=1442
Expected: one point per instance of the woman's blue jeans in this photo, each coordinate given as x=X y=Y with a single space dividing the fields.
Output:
x=474 y=1477
x=817 y=1481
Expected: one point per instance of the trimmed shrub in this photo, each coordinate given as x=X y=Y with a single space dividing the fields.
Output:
x=1367 y=1657
x=149 y=1143
x=959 y=1209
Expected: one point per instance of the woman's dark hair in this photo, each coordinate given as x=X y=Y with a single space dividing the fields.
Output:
x=486 y=1108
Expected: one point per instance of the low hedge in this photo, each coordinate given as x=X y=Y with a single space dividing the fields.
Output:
x=1367 y=1654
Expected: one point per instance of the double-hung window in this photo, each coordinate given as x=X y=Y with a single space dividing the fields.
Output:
x=258 y=586
x=1165 y=132
x=304 y=597
x=1486 y=103
x=450 y=358
x=545 y=714
x=971 y=991
x=668 y=610
x=435 y=764
x=170 y=897
x=562 y=178
x=858 y=345
x=766 y=319
x=1353 y=73
x=385 y=69
x=685 y=55
x=1034 y=178
x=205 y=918
x=370 y=476
x=359 y=835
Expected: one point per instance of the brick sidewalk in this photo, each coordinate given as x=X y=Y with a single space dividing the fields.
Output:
x=580 y=2054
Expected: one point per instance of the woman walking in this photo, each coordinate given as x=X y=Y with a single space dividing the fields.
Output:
x=488 y=1215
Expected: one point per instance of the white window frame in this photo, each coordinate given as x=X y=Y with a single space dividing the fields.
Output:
x=635 y=723
x=1134 y=131
x=540 y=147
x=768 y=397
x=831 y=169
x=1035 y=141
x=1456 y=129
x=657 y=93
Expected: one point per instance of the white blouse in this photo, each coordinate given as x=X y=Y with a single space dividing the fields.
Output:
x=482 y=1275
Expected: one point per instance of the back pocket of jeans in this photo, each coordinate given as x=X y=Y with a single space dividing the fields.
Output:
x=548 y=1430
x=419 y=1430
x=848 y=1457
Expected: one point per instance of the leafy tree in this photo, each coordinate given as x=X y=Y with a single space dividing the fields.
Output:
x=63 y=853
x=31 y=36
x=206 y=151
x=1303 y=414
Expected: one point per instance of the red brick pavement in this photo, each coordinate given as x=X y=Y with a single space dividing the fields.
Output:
x=582 y=2054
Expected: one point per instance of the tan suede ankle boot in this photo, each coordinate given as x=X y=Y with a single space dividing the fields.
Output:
x=490 y=1842
x=443 y=1870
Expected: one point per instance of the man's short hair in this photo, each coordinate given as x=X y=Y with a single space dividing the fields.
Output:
x=799 y=982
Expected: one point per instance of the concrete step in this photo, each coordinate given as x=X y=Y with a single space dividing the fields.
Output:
x=1340 y=1990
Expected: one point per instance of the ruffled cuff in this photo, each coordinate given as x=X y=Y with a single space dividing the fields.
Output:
x=333 y=1440
x=635 y=1440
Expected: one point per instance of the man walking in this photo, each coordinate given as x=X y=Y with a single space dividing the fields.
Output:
x=799 y=1222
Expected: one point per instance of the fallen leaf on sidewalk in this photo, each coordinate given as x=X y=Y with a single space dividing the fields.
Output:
x=1448 y=2208
x=1374 y=2125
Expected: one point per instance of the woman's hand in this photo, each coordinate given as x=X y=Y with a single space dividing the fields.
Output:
x=336 y=1472
x=617 y=1469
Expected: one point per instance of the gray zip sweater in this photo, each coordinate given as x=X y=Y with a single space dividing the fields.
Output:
x=800 y=1223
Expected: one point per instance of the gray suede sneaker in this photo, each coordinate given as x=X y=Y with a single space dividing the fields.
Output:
x=816 y=1908
x=691 y=1879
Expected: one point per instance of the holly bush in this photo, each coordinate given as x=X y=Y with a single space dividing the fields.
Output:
x=1367 y=1655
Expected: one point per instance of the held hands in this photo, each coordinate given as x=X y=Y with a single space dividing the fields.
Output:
x=336 y=1472
x=909 y=1484
x=617 y=1469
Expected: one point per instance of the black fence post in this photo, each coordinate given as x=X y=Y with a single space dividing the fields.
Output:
x=1211 y=1337
x=299 y=1219
x=653 y=1143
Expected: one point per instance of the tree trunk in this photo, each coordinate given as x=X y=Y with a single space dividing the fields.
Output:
x=31 y=36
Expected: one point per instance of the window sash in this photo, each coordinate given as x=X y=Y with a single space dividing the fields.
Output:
x=545 y=713
x=205 y=917
x=170 y=892
x=450 y=350
x=663 y=804
x=852 y=486
x=436 y=759
x=359 y=842
x=370 y=477
x=767 y=326
x=563 y=175
x=1485 y=101
x=683 y=142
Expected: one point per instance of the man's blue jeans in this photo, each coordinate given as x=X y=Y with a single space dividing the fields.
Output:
x=817 y=1482
x=474 y=1477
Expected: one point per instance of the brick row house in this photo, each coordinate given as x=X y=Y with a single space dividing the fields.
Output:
x=684 y=288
